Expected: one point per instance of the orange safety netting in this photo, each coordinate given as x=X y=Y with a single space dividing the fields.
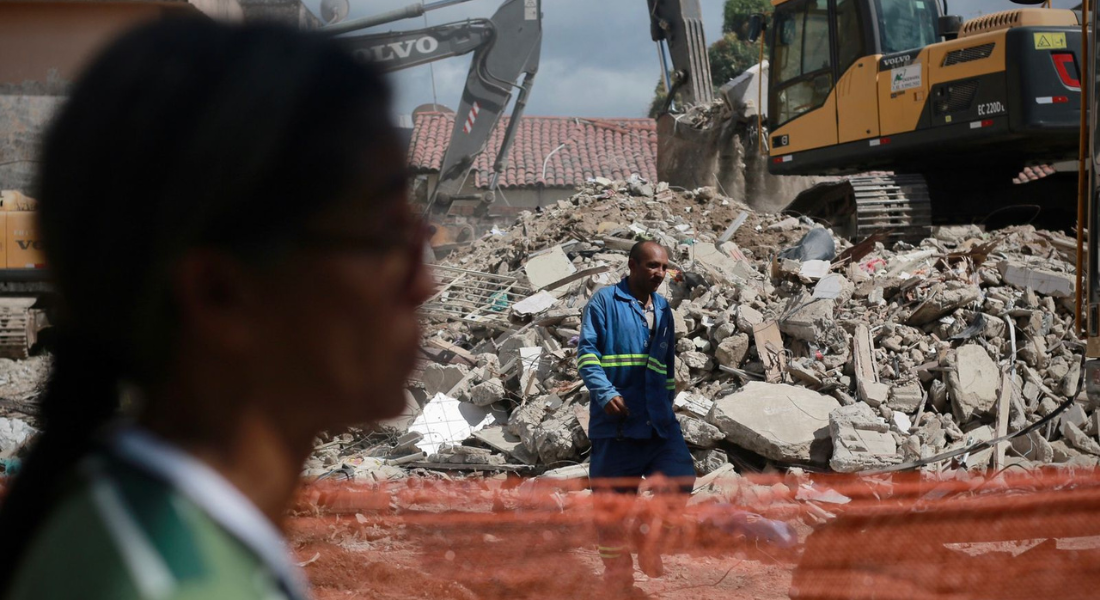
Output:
x=1017 y=535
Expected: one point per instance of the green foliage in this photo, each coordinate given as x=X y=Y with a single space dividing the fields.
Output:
x=730 y=56
x=659 y=95
x=736 y=13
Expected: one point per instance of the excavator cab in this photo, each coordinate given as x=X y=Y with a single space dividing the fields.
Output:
x=824 y=69
x=953 y=111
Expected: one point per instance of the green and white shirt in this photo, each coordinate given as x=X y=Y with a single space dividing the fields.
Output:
x=146 y=521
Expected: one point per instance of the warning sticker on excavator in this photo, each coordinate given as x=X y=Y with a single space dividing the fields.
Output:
x=1050 y=41
x=905 y=78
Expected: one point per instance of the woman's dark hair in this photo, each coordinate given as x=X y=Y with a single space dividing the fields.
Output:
x=182 y=133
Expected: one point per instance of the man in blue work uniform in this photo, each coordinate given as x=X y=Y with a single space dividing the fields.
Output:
x=626 y=358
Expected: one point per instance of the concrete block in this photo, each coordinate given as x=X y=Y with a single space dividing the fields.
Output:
x=861 y=440
x=1043 y=281
x=973 y=384
x=699 y=433
x=732 y=351
x=781 y=422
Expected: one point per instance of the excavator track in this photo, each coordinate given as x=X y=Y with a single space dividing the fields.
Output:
x=14 y=342
x=18 y=327
x=896 y=206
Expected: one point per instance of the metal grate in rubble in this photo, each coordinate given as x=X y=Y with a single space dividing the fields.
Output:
x=474 y=296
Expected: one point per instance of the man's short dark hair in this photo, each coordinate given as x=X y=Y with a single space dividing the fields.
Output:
x=636 y=250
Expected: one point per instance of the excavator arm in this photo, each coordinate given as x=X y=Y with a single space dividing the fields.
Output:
x=677 y=27
x=505 y=46
x=404 y=49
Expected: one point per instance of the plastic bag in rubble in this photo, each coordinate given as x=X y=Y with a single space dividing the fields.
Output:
x=753 y=527
x=817 y=244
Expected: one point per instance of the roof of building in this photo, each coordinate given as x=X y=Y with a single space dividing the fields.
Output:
x=577 y=148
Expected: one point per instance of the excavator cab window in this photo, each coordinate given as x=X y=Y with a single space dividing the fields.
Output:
x=802 y=58
x=906 y=24
x=849 y=34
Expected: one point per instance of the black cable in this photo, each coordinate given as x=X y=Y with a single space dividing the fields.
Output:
x=976 y=447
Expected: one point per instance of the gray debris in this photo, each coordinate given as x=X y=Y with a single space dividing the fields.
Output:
x=699 y=433
x=973 y=383
x=779 y=421
x=861 y=440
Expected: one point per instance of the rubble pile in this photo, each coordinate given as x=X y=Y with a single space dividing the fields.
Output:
x=794 y=348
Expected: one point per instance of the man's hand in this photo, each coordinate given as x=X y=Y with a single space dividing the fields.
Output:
x=616 y=407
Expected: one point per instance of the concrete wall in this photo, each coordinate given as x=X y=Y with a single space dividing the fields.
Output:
x=22 y=120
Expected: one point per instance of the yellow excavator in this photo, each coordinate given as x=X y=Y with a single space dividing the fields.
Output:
x=950 y=111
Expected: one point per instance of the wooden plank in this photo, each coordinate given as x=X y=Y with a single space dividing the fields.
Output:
x=769 y=345
x=576 y=276
x=458 y=351
x=862 y=352
x=1003 y=403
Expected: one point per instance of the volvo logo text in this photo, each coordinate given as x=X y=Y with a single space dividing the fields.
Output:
x=897 y=60
x=396 y=50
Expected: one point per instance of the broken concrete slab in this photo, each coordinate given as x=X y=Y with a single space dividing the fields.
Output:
x=779 y=421
x=15 y=434
x=732 y=351
x=718 y=263
x=547 y=267
x=695 y=405
x=833 y=287
x=524 y=420
x=861 y=440
x=442 y=379
x=973 y=383
x=906 y=398
x=1033 y=446
x=748 y=318
x=487 y=392
x=708 y=461
x=1077 y=438
x=982 y=458
x=559 y=438
x=533 y=305
x=809 y=320
x=496 y=437
x=944 y=299
x=445 y=420
x=814 y=270
x=696 y=360
x=1043 y=281
x=699 y=433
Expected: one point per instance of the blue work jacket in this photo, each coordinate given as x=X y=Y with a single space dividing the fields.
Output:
x=616 y=357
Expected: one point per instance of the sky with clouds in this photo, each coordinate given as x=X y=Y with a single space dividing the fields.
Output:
x=597 y=57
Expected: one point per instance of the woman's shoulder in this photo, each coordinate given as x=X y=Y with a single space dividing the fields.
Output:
x=119 y=533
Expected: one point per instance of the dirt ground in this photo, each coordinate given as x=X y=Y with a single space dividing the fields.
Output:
x=386 y=558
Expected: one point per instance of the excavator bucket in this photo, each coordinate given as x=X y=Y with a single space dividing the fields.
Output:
x=688 y=143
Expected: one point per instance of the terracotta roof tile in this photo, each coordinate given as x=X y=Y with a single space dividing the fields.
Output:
x=612 y=148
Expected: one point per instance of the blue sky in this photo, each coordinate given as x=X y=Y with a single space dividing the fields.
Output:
x=597 y=57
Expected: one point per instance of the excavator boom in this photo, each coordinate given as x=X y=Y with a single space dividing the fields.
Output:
x=504 y=46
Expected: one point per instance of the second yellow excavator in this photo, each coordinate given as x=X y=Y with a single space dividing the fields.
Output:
x=954 y=111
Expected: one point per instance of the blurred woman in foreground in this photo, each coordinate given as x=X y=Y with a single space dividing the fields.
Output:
x=225 y=219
